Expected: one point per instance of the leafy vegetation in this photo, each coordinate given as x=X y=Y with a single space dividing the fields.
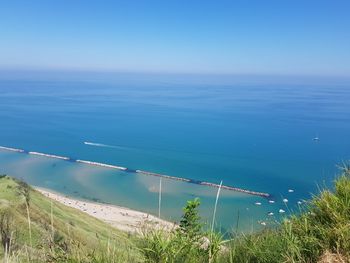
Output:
x=35 y=229
x=185 y=243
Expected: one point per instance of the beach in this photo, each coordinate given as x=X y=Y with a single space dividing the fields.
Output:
x=122 y=218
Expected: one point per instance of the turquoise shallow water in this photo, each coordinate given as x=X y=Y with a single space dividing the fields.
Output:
x=257 y=137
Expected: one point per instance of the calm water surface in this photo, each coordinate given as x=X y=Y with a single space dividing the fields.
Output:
x=258 y=137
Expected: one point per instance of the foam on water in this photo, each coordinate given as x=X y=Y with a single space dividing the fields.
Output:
x=103 y=145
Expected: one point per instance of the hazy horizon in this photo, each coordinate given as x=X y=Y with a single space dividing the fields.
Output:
x=170 y=78
x=187 y=37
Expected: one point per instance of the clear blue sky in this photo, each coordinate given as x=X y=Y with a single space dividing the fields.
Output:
x=252 y=37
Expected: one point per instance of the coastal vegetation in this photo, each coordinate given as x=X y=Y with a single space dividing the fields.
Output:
x=34 y=228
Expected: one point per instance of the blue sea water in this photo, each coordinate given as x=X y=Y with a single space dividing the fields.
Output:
x=253 y=136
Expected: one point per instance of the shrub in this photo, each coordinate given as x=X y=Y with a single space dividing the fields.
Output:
x=190 y=225
x=185 y=244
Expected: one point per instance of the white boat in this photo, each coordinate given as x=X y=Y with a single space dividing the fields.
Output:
x=281 y=211
x=285 y=200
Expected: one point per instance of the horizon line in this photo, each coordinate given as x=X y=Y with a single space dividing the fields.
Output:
x=171 y=73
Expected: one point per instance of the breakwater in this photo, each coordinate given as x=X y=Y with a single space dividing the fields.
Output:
x=226 y=187
x=187 y=180
x=50 y=155
x=102 y=165
x=11 y=149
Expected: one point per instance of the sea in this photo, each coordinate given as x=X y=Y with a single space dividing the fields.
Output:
x=283 y=138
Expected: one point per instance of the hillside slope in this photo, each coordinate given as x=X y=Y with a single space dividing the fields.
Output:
x=36 y=228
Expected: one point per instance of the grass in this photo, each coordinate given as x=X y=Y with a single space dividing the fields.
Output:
x=35 y=229
x=319 y=233
x=54 y=232
x=321 y=229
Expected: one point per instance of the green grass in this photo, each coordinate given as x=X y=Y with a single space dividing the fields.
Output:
x=320 y=232
x=75 y=236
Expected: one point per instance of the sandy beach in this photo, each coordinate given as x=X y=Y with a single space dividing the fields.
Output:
x=120 y=217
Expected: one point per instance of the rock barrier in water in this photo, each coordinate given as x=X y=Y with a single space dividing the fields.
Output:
x=226 y=187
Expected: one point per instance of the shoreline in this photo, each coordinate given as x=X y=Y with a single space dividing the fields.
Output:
x=122 y=218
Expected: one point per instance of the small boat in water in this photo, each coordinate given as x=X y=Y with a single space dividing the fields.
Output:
x=285 y=200
x=281 y=211
x=257 y=203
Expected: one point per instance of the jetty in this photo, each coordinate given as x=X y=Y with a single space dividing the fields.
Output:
x=102 y=165
x=128 y=170
x=50 y=156
x=11 y=149
x=226 y=187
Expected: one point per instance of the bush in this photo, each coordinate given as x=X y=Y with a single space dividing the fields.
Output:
x=190 y=225
x=185 y=244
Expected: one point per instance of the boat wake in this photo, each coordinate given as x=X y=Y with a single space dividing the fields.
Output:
x=103 y=145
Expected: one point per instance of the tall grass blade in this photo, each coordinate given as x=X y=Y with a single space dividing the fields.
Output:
x=160 y=197
x=29 y=225
x=216 y=203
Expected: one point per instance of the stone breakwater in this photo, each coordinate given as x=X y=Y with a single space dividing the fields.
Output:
x=11 y=149
x=50 y=155
x=198 y=182
x=226 y=187
x=102 y=165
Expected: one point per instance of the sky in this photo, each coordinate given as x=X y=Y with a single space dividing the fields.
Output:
x=174 y=36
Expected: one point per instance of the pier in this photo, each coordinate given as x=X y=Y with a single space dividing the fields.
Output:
x=128 y=170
